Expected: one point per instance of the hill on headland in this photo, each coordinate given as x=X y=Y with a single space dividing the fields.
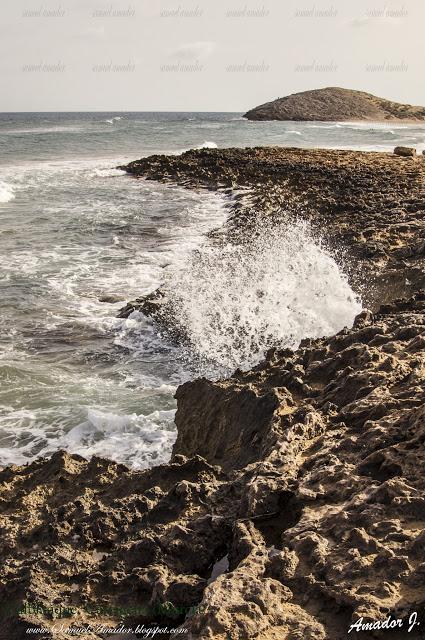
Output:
x=336 y=104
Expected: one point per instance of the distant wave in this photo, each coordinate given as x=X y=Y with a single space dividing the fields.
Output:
x=42 y=130
x=6 y=192
x=112 y=120
x=336 y=125
x=208 y=144
x=378 y=126
x=211 y=125
x=109 y=172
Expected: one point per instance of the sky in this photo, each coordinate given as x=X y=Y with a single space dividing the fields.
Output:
x=198 y=55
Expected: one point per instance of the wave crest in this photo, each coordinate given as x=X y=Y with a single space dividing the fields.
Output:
x=6 y=192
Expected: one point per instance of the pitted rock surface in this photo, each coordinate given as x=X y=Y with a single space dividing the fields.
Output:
x=321 y=512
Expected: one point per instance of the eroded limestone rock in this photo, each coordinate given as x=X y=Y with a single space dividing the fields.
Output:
x=321 y=516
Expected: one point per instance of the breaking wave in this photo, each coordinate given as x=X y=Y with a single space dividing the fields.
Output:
x=6 y=192
x=208 y=144
x=234 y=301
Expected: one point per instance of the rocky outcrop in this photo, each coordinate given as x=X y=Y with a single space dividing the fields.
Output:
x=236 y=419
x=336 y=104
x=406 y=152
x=367 y=207
x=316 y=521
x=294 y=503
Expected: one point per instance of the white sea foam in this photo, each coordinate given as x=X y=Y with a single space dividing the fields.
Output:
x=236 y=301
x=108 y=172
x=42 y=130
x=369 y=125
x=325 y=125
x=208 y=144
x=139 y=440
x=6 y=192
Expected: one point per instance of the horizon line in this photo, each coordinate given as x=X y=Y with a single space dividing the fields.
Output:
x=121 y=111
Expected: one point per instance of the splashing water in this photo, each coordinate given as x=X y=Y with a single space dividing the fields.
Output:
x=234 y=301
x=6 y=192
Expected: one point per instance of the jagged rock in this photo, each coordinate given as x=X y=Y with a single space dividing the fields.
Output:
x=110 y=298
x=256 y=604
x=235 y=419
x=321 y=514
x=150 y=305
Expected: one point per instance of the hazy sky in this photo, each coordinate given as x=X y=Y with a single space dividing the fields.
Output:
x=189 y=55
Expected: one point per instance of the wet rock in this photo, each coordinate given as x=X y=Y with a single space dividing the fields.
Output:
x=150 y=305
x=110 y=298
x=405 y=151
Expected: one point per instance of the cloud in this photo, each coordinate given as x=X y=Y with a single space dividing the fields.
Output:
x=193 y=50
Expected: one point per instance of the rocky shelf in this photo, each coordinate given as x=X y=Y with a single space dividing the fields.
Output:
x=294 y=501
x=367 y=207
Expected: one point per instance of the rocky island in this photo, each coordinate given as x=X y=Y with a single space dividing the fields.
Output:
x=293 y=506
x=335 y=104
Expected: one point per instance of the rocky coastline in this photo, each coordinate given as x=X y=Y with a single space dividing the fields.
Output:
x=367 y=206
x=294 y=504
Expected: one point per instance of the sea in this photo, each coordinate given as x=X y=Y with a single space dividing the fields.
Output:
x=79 y=238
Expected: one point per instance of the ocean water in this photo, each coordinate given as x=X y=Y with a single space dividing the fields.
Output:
x=75 y=231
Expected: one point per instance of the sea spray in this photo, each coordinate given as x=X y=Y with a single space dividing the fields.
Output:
x=6 y=192
x=233 y=300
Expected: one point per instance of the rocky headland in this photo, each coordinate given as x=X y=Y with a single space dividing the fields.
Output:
x=336 y=104
x=294 y=503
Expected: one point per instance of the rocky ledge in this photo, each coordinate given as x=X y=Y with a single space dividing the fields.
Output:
x=293 y=506
x=336 y=104
x=367 y=207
